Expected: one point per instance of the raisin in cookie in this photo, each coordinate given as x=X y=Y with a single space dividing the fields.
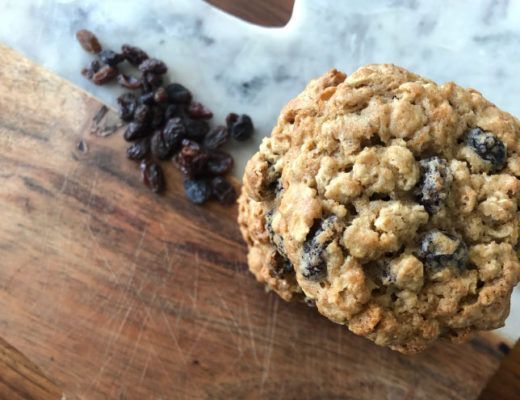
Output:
x=390 y=202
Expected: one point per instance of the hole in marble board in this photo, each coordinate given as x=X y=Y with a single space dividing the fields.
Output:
x=259 y=12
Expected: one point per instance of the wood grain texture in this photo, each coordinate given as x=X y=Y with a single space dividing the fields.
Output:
x=117 y=293
x=261 y=12
x=505 y=384
x=20 y=379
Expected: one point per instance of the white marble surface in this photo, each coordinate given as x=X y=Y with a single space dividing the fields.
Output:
x=233 y=65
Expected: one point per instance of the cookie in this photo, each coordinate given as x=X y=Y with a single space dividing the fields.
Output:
x=391 y=203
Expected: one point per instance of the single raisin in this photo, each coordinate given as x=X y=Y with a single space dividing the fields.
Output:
x=134 y=131
x=313 y=263
x=88 y=41
x=129 y=82
x=216 y=138
x=197 y=190
x=433 y=187
x=110 y=57
x=488 y=147
x=154 y=66
x=439 y=249
x=160 y=95
x=191 y=160
x=219 y=163
x=223 y=191
x=199 y=111
x=157 y=118
x=93 y=67
x=126 y=106
x=152 y=176
x=241 y=127
x=104 y=75
x=151 y=82
x=139 y=150
x=147 y=98
x=178 y=94
x=173 y=110
x=134 y=55
x=196 y=129
x=142 y=114
x=166 y=141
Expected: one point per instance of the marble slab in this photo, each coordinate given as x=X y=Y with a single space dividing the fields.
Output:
x=236 y=66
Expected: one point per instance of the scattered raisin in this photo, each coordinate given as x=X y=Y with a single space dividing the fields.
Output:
x=488 y=147
x=93 y=67
x=191 y=160
x=241 y=127
x=88 y=41
x=160 y=95
x=151 y=82
x=139 y=150
x=216 y=138
x=157 y=118
x=152 y=176
x=223 y=191
x=104 y=75
x=110 y=57
x=439 y=249
x=178 y=94
x=134 y=131
x=134 y=55
x=196 y=129
x=126 y=106
x=219 y=163
x=434 y=184
x=129 y=82
x=154 y=66
x=166 y=141
x=199 y=111
x=197 y=190
x=142 y=114
x=147 y=98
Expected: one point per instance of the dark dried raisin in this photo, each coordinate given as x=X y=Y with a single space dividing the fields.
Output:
x=241 y=127
x=223 y=191
x=439 y=249
x=129 y=82
x=196 y=129
x=488 y=147
x=216 y=138
x=173 y=110
x=160 y=95
x=434 y=184
x=219 y=163
x=134 y=55
x=139 y=150
x=151 y=82
x=110 y=57
x=142 y=114
x=126 y=106
x=313 y=263
x=154 y=66
x=166 y=141
x=104 y=75
x=157 y=117
x=199 y=111
x=152 y=176
x=88 y=41
x=93 y=67
x=197 y=190
x=178 y=94
x=135 y=131
x=147 y=98
x=191 y=160
x=281 y=267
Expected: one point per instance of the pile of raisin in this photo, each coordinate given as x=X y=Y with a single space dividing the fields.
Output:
x=163 y=123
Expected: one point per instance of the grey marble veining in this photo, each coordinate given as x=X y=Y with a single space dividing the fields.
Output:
x=235 y=66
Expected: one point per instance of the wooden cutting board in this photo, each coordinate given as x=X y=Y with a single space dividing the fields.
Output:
x=114 y=292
